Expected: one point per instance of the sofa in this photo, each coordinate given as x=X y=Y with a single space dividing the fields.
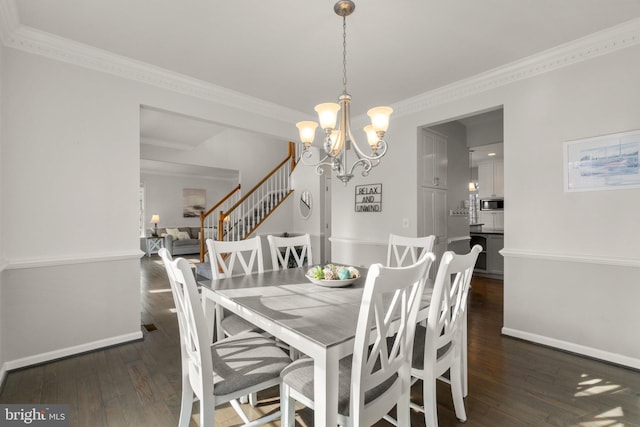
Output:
x=181 y=240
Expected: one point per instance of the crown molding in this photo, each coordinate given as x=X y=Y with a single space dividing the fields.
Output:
x=38 y=42
x=61 y=49
x=588 y=47
x=9 y=20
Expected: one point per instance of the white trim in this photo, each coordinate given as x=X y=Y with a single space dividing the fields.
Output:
x=9 y=19
x=71 y=260
x=59 y=48
x=351 y=241
x=41 y=43
x=588 y=47
x=70 y=351
x=566 y=257
x=574 y=348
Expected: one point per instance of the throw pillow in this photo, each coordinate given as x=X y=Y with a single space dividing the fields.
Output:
x=183 y=235
x=173 y=232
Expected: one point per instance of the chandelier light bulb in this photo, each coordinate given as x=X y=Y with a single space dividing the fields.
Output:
x=307 y=132
x=327 y=114
x=372 y=137
x=380 y=118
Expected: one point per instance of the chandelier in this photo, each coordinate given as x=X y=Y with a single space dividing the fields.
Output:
x=337 y=141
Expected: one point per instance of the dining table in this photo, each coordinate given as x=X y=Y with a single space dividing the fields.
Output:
x=316 y=320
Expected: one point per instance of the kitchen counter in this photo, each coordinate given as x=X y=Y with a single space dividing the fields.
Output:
x=481 y=229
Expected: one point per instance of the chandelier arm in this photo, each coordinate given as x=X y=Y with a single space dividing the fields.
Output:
x=364 y=163
x=307 y=154
x=380 y=151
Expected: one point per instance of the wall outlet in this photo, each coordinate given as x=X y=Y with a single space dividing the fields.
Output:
x=405 y=222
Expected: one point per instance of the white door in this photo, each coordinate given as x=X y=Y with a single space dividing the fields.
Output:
x=326 y=223
x=434 y=220
x=433 y=162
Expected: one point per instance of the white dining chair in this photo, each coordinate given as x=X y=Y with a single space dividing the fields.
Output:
x=229 y=258
x=440 y=346
x=407 y=250
x=376 y=377
x=282 y=248
x=224 y=371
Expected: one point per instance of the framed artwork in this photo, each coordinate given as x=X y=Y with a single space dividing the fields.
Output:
x=194 y=202
x=608 y=162
x=368 y=198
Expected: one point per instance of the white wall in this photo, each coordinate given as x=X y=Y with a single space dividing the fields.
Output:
x=231 y=149
x=163 y=195
x=551 y=237
x=2 y=227
x=70 y=231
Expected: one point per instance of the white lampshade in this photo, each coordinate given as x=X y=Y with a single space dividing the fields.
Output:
x=328 y=114
x=155 y=218
x=380 y=118
x=372 y=136
x=307 y=132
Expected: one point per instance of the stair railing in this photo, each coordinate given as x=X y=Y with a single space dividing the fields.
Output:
x=251 y=210
x=208 y=222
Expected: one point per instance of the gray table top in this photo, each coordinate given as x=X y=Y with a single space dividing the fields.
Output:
x=327 y=316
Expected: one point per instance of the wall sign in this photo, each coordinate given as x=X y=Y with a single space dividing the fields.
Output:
x=369 y=198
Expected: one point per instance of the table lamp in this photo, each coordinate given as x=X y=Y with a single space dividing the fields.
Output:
x=155 y=219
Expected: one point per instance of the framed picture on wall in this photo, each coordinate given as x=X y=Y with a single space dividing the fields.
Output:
x=608 y=162
x=194 y=202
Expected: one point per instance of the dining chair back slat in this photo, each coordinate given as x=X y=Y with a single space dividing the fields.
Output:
x=224 y=254
x=296 y=247
x=407 y=250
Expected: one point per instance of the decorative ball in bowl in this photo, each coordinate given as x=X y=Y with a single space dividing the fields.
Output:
x=333 y=276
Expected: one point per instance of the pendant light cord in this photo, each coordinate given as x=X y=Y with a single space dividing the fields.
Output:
x=344 y=55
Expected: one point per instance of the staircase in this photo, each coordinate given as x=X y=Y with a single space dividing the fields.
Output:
x=236 y=217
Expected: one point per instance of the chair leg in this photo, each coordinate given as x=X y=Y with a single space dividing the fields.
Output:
x=457 y=387
x=403 y=413
x=253 y=399
x=430 y=403
x=287 y=407
x=186 y=402
x=207 y=412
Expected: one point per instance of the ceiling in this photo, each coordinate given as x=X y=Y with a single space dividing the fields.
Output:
x=289 y=52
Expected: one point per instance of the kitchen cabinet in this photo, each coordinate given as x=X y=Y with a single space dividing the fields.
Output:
x=490 y=263
x=492 y=220
x=491 y=179
x=433 y=157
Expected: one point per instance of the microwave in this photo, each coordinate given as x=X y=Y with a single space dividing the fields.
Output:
x=491 y=204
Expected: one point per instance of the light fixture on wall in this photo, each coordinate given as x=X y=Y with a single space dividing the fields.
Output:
x=338 y=141
x=155 y=219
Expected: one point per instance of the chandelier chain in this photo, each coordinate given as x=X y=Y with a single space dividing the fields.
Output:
x=344 y=55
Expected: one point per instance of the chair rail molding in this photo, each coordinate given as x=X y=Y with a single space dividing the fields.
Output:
x=350 y=241
x=569 y=257
x=20 y=263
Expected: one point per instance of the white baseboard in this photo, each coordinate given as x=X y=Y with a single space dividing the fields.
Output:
x=618 y=359
x=65 y=352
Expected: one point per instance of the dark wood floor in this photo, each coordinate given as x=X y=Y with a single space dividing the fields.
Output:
x=511 y=382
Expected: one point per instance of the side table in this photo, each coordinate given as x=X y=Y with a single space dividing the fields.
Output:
x=154 y=244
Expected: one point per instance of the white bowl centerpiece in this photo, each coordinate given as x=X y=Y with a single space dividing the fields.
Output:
x=332 y=275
